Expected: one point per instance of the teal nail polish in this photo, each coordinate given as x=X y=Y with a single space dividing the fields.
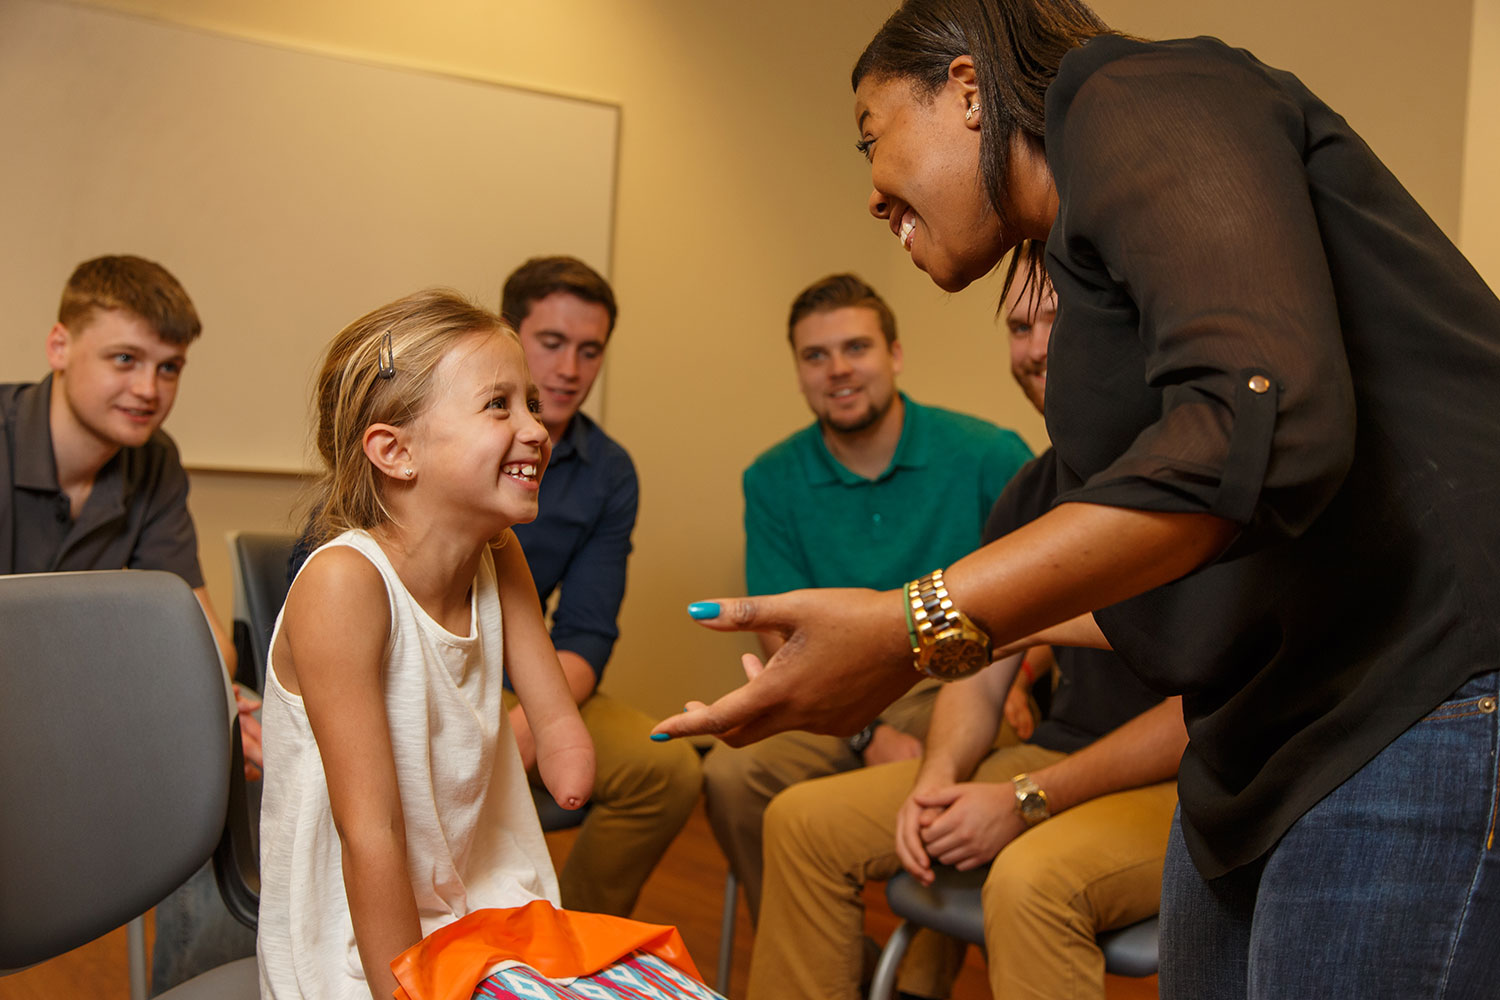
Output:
x=700 y=610
x=660 y=737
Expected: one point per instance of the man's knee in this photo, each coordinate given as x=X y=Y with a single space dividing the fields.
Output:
x=681 y=771
x=735 y=774
x=799 y=819
x=630 y=765
x=671 y=771
x=782 y=826
x=723 y=768
x=1026 y=884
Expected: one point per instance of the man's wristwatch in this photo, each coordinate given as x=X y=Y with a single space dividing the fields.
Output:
x=860 y=741
x=1031 y=801
x=945 y=643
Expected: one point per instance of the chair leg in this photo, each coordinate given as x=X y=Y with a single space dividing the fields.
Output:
x=726 y=933
x=135 y=949
x=883 y=985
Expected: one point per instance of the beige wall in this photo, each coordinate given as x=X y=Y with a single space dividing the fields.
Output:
x=738 y=185
x=1479 y=227
x=222 y=502
x=1397 y=71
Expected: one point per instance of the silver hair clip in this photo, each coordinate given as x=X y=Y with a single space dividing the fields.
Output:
x=387 y=360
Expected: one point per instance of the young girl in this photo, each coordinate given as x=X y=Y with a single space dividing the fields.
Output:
x=395 y=801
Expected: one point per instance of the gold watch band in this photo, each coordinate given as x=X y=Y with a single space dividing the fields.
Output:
x=944 y=642
x=932 y=609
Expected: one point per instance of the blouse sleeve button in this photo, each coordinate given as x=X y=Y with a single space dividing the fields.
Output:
x=1259 y=383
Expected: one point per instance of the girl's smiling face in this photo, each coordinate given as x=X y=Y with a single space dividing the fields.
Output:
x=924 y=167
x=480 y=446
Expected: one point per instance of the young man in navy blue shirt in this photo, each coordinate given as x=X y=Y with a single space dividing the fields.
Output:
x=578 y=546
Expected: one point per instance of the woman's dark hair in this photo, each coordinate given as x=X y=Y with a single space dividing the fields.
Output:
x=1028 y=254
x=1016 y=46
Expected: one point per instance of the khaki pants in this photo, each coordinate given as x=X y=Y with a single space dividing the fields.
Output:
x=1093 y=867
x=738 y=783
x=643 y=794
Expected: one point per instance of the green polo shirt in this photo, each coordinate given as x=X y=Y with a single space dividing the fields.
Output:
x=810 y=522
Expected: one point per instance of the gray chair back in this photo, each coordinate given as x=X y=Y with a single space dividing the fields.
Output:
x=114 y=753
x=260 y=584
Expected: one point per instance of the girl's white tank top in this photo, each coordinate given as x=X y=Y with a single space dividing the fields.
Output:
x=472 y=836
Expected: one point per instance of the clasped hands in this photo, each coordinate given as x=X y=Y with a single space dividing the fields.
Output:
x=961 y=824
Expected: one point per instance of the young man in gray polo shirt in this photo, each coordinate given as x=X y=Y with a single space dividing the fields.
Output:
x=87 y=478
x=89 y=481
x=876 y=491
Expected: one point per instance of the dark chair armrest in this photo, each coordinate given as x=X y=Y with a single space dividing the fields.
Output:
x=236 y=868
x=244 y=654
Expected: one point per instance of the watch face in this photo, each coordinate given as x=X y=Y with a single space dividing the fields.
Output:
x=861 y=740
x=954 y=657
x=1033 y=807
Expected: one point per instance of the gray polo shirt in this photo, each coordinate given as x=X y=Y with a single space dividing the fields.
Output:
x=135 y=518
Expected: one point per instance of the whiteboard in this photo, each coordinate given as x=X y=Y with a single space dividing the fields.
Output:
x=289 y=191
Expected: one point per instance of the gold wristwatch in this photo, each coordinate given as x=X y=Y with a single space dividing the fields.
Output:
x=1031 y=801
x=944 y=643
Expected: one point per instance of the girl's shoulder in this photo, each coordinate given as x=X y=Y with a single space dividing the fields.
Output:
x=346 y=570
x=337 y=620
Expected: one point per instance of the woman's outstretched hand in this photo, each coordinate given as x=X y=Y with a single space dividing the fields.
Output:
x=845 y=658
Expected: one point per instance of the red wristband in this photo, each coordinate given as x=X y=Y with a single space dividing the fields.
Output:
x=1026 y=669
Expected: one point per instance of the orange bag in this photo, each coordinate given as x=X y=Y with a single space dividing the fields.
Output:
x=451 y=962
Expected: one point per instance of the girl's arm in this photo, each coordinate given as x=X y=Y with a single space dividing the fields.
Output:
x=564 y=752
x=579 y=677
x=335 y=632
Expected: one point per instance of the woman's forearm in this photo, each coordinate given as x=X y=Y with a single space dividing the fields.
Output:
x=846 y=656
x=1082 y=631
x=1075 y=559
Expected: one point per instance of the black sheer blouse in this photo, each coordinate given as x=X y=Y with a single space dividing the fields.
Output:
x=1256 y=320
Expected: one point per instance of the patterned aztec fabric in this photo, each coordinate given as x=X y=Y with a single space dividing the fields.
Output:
x=641 y=976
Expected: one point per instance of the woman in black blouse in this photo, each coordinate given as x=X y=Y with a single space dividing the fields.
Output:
x=1275 y=398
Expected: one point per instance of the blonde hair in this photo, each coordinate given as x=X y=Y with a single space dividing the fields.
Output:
x=353 y=393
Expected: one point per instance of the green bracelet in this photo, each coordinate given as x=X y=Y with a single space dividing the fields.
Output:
x=911 y=623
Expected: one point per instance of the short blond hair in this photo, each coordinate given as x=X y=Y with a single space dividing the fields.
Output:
x=136 y=285
x=352 y=393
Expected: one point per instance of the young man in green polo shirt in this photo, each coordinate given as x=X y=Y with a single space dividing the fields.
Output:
x=876 y=491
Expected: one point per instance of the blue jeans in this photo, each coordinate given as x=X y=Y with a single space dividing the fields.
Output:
x=1389 y=887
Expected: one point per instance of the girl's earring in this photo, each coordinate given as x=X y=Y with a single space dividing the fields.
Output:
x=969 y=115
x=410 y=473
